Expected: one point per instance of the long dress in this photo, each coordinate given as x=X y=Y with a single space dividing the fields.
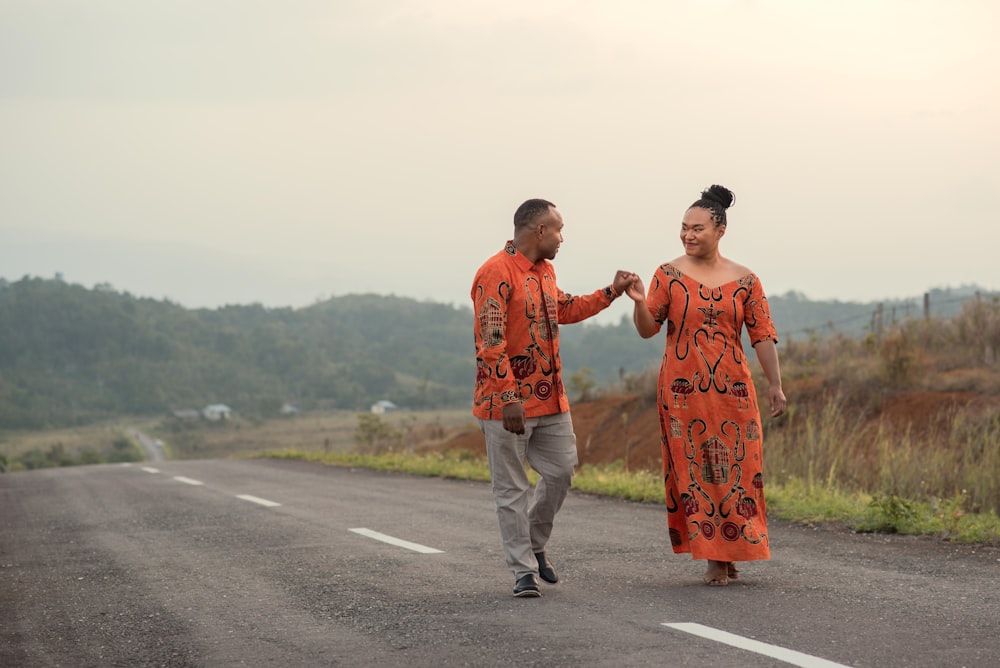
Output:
x=709 y=418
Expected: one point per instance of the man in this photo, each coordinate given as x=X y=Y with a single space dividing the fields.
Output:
x=520 y=399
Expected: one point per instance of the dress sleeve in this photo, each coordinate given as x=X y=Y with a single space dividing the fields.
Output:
x=658 y=297
x=757 y=314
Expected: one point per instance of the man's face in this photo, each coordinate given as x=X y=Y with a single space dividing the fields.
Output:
x=549 y=228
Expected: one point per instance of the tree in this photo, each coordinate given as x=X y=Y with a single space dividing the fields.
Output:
x=373 y=435
x=582 y=382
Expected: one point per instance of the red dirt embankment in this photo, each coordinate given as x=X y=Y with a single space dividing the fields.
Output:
x=604 y=428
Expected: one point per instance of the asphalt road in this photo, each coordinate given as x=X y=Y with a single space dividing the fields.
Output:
x=190 y=563
x=150 y=446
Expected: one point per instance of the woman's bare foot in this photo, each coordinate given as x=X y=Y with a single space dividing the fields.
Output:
x=717 y=574
x=732 y=571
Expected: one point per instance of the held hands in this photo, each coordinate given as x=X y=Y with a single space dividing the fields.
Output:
x=623 y=281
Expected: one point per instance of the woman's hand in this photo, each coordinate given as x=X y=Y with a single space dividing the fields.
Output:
x=777 y=400
x=636 y=290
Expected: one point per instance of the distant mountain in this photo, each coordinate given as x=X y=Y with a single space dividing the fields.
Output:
x=71 y=355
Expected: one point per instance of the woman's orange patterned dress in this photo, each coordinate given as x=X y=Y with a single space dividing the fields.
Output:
x=709 y=418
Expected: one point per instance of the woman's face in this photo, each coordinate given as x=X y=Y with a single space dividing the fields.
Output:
x=699 y=233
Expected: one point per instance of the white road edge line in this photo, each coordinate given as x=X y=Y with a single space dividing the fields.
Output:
x=150 y=469
x=257 y=499
x=416 y=547
x=189 y=481
x=773 y=651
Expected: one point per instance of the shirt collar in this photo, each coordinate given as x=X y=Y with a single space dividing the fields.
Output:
x=520 y=259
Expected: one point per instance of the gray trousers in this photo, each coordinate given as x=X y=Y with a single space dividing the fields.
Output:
x=549 y=446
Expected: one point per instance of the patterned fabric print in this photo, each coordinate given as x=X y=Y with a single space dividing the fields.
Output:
x=709 y=417
x=518 y=309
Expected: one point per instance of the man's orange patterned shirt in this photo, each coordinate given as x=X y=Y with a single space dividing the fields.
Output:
x=518 y=309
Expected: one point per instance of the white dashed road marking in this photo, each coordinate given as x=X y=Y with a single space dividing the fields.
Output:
x=257 y=499
x=189 y=481
x=150 y=469
x=773 y=651
x=416 y=547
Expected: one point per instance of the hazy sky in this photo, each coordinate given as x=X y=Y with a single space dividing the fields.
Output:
x=240 y=151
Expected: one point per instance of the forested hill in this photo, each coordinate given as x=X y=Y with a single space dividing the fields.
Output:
x=71 y=355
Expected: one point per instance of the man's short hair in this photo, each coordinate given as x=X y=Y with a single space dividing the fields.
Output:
x=529 y=210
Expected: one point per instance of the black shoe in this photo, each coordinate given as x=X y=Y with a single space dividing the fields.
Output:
x=545 y=569
x=526 y=587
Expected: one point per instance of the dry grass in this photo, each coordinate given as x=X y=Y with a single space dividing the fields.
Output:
x=321 y=432
x=74 y=439
x=912 y=412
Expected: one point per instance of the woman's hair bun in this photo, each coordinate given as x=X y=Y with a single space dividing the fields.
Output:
x=719 y=194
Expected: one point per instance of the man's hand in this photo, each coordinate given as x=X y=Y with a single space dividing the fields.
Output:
x=513 y=417
x=623 y=279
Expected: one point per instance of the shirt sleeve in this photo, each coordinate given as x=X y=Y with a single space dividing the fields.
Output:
x=573 y=308
x=495 y=384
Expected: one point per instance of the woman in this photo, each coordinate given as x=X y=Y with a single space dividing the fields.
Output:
x=709 y=418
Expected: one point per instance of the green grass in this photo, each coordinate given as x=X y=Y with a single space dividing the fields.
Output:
x=615 y=481
x=92 y=444
x=453 y=464
x=794 y=500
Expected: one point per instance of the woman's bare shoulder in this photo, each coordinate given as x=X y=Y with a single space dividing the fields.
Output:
x=678 y=263
x=675 y=267
x=738 y=270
